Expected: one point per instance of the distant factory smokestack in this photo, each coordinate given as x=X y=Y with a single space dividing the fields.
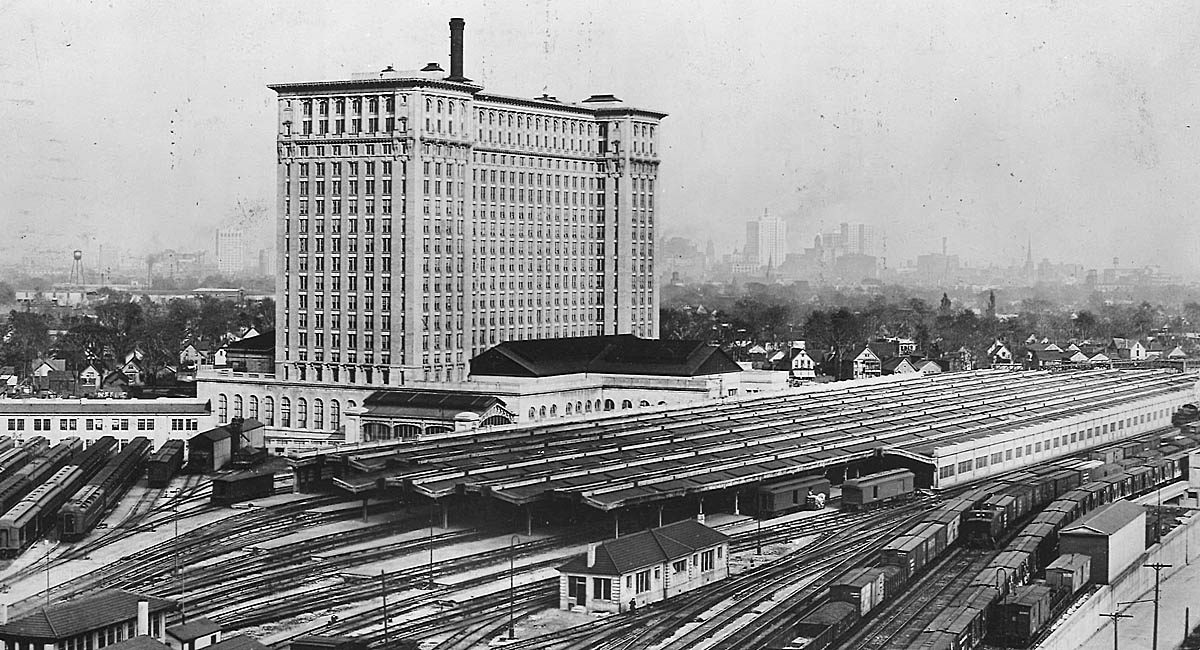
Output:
x=456 y=49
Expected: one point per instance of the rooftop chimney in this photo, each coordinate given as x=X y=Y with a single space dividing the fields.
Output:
x=143 y=618
x=456 y=49
x=592 y=554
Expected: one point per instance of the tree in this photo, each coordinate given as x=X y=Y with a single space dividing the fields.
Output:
x=26 y=337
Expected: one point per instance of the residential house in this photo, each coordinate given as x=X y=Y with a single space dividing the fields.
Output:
x=643 y=568
x=45 y=370
x=862 y=362
x=1043 y=357
x=999 y=355
x=1126 y=350
x=801 y=364
x=90 y=378
x=133 y=371
x=190 y=356
x=928 y=366
x=960 y=360
x=897 y=366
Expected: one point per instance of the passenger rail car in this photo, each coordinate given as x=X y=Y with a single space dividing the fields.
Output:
x=164 y=464
x=792 y=494
x=875 y=490
x=35 y=514
x=88 y=505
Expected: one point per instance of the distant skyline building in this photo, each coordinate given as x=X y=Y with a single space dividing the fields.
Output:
x=851 y=239
x=231 y=250
x=766 y=241
x=422 y=220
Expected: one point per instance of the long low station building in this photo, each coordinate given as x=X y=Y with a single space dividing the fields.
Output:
x=953 y=428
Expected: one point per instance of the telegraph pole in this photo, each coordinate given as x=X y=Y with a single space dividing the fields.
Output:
x=1158 y=567
x=1116 y=618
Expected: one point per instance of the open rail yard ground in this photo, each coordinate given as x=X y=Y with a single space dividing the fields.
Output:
x=295 y=564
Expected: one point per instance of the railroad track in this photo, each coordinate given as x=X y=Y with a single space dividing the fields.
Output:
x=899 y=624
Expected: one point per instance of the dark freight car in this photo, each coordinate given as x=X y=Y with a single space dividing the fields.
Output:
x=877 y=489
x=314 y=642
x=242 y=486
x=1019 y=619
x=164 y=464
x=821 y=627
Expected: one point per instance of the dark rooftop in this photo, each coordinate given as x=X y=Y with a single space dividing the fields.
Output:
x=193 y=629
x=429 y=402
x=655 y=546
x=73 y=617
x=264 y=342
x=622 y=354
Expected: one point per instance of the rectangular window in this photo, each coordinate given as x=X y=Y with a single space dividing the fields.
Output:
x=706 y=560
x=643 y=581
x=602 y=588
x=679 y=566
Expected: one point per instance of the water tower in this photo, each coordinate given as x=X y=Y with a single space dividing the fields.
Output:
x=77 y=268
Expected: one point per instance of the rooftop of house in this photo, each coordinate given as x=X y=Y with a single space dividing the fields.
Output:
x=193 y=629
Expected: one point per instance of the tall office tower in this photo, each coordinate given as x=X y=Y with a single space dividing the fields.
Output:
x=860 y=239
x=423 y=220
x=766 y=241
x=231 y=250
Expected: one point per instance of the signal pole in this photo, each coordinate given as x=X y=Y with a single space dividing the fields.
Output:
x=1158 y=567
x=1116 y=618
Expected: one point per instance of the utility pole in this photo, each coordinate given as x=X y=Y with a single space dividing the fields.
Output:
x=1116 y=617
x=512 y=633
x=1158 y=567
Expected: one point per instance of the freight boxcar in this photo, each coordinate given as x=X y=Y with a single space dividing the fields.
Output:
x=242 y=486
x=877 y=489
x=905 y=552
x=1017 y=621
x=792 y=494
x=164 y=464
x=1069 y=573
x=821 y=627
x=862 y=588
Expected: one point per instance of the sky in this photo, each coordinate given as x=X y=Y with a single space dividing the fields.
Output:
x=1071 y=125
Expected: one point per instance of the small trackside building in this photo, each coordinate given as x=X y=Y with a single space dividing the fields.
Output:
x=105 y=618
x=645 y=567
x=1113 y=537
x=196 y=634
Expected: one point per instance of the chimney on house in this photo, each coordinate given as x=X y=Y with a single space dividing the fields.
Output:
x=456 y=49
x=592 y=554
x=143 y=618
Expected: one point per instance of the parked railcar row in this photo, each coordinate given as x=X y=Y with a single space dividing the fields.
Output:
x=982 y=518
x=37 y=512
x=1004 y=601
x=88 y=505
x=36 y=469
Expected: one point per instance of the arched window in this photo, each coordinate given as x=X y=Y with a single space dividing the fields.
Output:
x=269 y=411
x=318 y=414
x=440 y=106
x=542 y=412
x=568 y=409
x=609 y=405
x=450 y=108
x=301 y=413
x=335 y=415
x=644 y=403
x=375 y=431
x=428 y=104
x=662 y=403
x=253 y=415
x=598 y=405
x=350 y=404
x=373 y=105
x=553 y=410
x=237 y=406
x=406 y=431
x=222 y=408
x=588 y=406
x=285 y=412
x=532 y=414
x=626 y=404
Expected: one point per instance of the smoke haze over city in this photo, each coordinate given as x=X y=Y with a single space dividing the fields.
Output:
x=1072 y=126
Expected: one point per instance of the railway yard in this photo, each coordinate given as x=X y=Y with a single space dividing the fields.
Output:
x=444 y=543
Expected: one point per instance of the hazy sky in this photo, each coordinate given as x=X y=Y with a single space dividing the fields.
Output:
x=1074 y=123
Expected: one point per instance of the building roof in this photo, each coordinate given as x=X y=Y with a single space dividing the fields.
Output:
x=264 y=342
x=193 y=629
x=240 y=642
x=69 y=618
x=1107 y=520
x=234 y=427
x=622 y=354
x=432 y=403
x=619 y=556
x=139 y=643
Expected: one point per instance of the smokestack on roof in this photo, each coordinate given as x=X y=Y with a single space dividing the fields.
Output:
x=456 y=50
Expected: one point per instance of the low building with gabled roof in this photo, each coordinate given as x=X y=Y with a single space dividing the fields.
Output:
x=643 y=568
x=195 y=634
x=93 y=621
